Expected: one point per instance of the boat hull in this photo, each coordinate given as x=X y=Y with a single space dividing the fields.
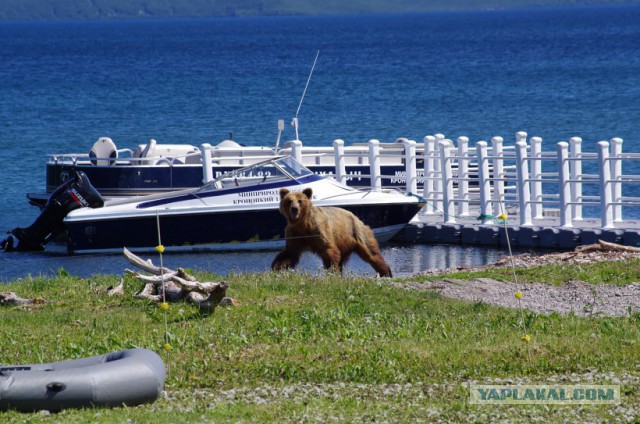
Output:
x=259 y=229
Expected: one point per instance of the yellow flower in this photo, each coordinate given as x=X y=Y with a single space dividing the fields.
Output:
x=502 y=217
x=167 y=347
x=526 y=338
x=164 y=306
x=518 y=294
x=160 y=248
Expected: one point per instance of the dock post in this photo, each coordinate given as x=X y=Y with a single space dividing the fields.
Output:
x=524 y=192
x=521 y=136
x=207 y=170
x=484 y=182
x=463 y=176
x=296 y=150
x=536 y=177
x=374 y=164
x=448 y=204
x=410 y=166
x=575 y=152
x=497 y=155
x=616 y=178
x=606 y=212
x=338 y=152
x=437 y=182
x=565 y=186
x=428 y=186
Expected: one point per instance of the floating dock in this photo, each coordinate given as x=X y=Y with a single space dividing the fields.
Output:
x=542 y=234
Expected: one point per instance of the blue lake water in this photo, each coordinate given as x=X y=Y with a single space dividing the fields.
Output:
x=554 y=73
x=404 y=259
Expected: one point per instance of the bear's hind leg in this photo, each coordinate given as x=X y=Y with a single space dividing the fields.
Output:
x=344 y=259
x=375 y=259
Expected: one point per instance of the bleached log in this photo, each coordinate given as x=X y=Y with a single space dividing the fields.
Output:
x=178 y=285
x=606 y=246
x=613 y=246
x=154 y=279
x=12 y=299
x=117 y=290
x=208 y=304
x=190 y=286
x=148 y=293
x=145 y=265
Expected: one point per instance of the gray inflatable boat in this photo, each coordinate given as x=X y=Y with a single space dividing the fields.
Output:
x=128 y=377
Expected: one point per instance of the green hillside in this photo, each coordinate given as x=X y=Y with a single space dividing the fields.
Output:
x=117 y=9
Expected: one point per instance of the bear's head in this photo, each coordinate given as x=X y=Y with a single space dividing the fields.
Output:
x=294 y=205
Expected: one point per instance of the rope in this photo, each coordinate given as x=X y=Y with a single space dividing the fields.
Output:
x=518 y=294
x=526 y=338
x=164 y=305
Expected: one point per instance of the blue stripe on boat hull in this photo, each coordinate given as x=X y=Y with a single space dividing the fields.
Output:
x=215 y=231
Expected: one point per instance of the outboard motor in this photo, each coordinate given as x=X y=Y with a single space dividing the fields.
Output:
x=75 y=193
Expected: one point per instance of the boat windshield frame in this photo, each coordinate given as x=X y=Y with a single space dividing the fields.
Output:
x=288 y=169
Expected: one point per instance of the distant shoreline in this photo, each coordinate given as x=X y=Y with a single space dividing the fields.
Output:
x=76 y=10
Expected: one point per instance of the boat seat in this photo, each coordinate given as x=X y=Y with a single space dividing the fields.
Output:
x=193 y=157
x=146 y=151
x=149 y=150
x=103 y=152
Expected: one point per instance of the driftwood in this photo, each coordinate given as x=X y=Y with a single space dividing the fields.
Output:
x=117 y=290
x=178 y=285
x=607 y=246
x=12 y=299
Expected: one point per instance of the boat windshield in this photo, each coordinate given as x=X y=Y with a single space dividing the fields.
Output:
x=281 y=169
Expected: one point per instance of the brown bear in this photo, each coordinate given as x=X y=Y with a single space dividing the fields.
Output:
x=330 y=232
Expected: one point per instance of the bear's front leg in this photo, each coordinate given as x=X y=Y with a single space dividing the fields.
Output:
x=285 y=260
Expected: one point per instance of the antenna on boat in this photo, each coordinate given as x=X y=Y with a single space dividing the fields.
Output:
x=280 y=129
x=294 y=122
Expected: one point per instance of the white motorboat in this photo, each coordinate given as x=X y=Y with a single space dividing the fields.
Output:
x=238 y=210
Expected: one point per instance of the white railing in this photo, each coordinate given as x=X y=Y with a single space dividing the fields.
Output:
x=461 y=183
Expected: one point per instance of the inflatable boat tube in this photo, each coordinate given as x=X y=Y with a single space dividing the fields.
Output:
x=128 y=377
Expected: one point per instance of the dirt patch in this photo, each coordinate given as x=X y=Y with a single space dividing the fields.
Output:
x=575 y=296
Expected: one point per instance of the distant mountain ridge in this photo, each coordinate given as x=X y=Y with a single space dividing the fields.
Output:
x=126 y=9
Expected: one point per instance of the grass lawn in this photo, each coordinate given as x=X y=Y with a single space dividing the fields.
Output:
x=327 y=349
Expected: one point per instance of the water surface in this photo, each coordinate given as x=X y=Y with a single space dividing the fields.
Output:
x=554 y=73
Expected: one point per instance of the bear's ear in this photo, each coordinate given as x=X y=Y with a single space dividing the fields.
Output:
x=307 y=192
x=283 y=192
